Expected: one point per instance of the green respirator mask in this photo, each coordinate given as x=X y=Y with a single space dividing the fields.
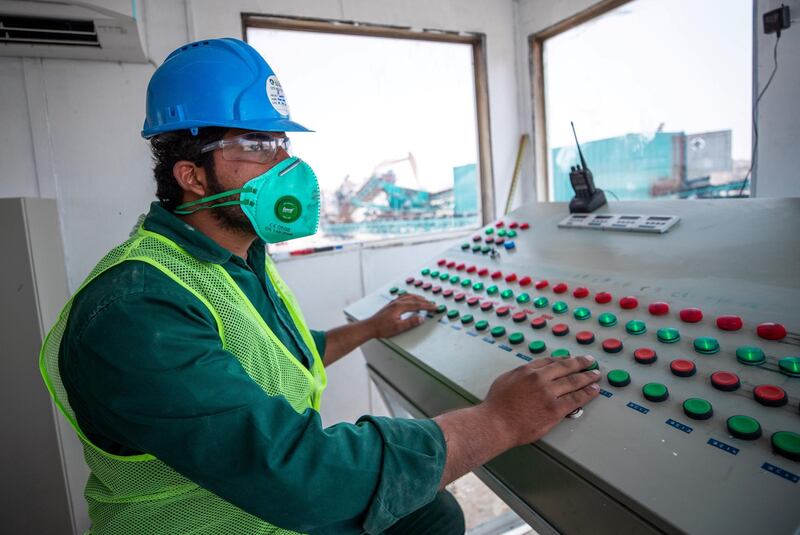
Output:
x=282 y=204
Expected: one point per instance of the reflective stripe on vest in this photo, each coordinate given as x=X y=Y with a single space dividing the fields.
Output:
x=140 y=494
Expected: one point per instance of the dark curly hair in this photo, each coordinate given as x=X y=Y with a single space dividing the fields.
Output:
x=171 y=147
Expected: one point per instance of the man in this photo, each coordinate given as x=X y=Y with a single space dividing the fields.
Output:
x=186 y=367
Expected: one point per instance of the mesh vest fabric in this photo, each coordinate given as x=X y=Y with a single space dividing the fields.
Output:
x=140 y=494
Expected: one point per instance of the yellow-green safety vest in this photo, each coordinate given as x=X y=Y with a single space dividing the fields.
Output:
x=139 y=494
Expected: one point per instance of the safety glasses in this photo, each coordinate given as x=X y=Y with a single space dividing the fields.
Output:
x=258 y=147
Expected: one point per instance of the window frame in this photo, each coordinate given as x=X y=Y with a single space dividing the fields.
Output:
x=478 y=44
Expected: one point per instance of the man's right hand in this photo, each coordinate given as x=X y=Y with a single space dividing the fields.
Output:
x=529 y=400
x=521 y=407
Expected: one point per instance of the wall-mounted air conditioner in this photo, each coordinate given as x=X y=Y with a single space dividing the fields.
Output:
x=65 y=29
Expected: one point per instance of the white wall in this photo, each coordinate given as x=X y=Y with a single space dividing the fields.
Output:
x=779 y=114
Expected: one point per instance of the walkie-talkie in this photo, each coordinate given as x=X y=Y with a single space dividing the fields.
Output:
x=587 y=197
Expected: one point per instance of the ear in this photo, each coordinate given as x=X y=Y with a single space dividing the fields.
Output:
x=191 y=178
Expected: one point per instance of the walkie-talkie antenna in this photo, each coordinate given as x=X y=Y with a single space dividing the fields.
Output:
x=583 y=162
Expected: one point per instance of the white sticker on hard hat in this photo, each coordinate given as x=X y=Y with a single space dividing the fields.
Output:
x=276 y=96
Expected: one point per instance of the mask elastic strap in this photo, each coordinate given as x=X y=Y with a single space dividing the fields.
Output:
x=182 y=209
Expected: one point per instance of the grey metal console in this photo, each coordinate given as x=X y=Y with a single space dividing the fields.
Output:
x=725 y=282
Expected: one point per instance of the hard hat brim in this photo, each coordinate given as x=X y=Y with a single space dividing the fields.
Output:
x=255 y=125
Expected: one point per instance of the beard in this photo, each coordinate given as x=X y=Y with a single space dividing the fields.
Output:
x=229 y=217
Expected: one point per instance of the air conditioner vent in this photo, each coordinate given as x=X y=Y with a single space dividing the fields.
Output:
x=47 y=31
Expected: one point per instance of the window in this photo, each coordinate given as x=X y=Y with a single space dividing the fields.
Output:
x=660 y=93
x=396 y=116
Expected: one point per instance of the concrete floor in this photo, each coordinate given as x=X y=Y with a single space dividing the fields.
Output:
x=481 y=507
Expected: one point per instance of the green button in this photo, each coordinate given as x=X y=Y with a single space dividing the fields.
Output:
x=498 y=331
x=476 y=248
x=790 y=366
x=559 y=307
x=466 y=318
x=491 y=290
x=668 y=335
x=401 y=292
x=481 y=325
x=561 y=352
x=512 y=234
x=593 y=366
x=787 y=444
x=501 y=232
x=523 y=298
x=618 y=378
x=706 y=345
x=582 y=313
x=452 y=314
x=697 y=409
x=607 y=319
x=744 y=427
x=444 y=276
x=537 y=346
x=485 y=249
x=454 y=279
x=478 y=286
x=393 y=290
x=441 y=308
x=466 y=282
x=655 y=392
x=516 y=338
x=425 y=271
x=507 y=294
x=489 y=230
x=435 y=273
x=636 y=327
x=465 y=246
x=750 y=355
x=540 y=302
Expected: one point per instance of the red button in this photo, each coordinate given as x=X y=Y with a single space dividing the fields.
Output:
x=770 y=395
x=489 y=239
x=580 y=292
x=524 y=226
x=726 y=381
x=419 y=283
x=474 y=300
x=603 y=298
x=483 y=272
x=682 y=367
x=771 y=331
x=410 y=280
x=451 y=263
x=612 y=345
x=503 y=311
x=645 y=355
x=524 y=281
x=486 y=305
x=460 y=267
x=659 y=308
x=472 y=269
x=585 y=337
x=542 y=284
x=443 y=261
x=538 y=323
x=427 y=286
x=560 y=288
x=500 y=224
x=511 y=277
x=628 y=302
x=519 y=317
x=513 y=225
x=499 y=241
x=474 y=238
x=497 y=274
x=560 y=329
x=460 y=296
x=448 y=292
x=691 y=315
x=436 y=289
x=729 y=323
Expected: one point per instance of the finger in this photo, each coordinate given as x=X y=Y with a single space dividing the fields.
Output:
x=569 y=402
x=406 y=324
x=411 y=298
x=574 y=382
x=539 y=363
x=407 y=306
x=563 y=367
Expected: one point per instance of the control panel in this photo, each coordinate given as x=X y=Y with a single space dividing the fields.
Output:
x=656 y=224
x=696 y=333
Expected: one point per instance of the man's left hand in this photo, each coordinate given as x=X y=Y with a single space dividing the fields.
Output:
x=387 y=321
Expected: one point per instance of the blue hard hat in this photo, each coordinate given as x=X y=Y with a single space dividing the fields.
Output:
x=216 y=82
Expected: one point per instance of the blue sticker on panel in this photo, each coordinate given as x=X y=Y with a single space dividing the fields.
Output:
x=488 y=340
x=456 y=327
x=605 y=393
x=472 y=333
x=638 y=408
x=724 y=447
x=504 y=347
x=778 y=471
x=677 y=425
x=444 y=322
x=526 y=358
